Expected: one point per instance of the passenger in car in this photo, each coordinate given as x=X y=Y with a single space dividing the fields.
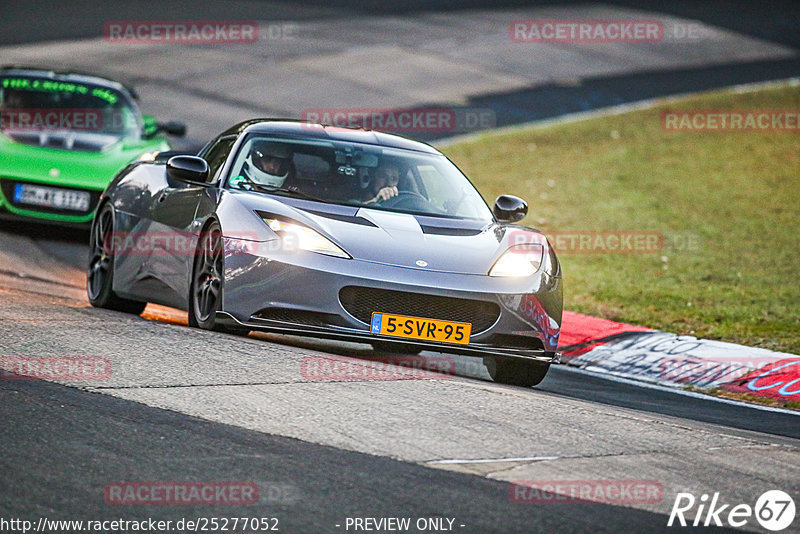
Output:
x=384 y=184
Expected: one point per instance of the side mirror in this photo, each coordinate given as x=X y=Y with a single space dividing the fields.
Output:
x=187 y=169
x=178 y=129
x=153 y=127
x=150 y=126
x=508 y=208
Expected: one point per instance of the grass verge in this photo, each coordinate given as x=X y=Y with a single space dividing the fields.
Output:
x=726 y=205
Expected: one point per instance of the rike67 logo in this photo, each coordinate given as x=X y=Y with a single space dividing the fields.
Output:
x=774 y=510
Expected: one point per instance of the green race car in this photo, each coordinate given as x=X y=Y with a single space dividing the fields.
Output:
x=64 y=137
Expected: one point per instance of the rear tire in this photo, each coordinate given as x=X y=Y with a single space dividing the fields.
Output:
x=100 y=274
x=516 y=372
x=205 y=292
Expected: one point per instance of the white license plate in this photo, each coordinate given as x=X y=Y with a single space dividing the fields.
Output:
x=51 y=197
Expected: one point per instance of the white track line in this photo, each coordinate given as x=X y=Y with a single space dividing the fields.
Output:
x=495 y=460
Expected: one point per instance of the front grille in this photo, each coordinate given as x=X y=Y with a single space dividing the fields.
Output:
x=311 y=318
x=360 y=302
x=8 y=184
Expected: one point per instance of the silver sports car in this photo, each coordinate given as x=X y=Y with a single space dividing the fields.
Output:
x=348 y=234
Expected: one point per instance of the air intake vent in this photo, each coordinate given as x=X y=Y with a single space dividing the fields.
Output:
x=360 y=302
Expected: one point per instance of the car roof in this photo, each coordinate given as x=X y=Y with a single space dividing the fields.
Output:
x=67 y=76
x=311 y=130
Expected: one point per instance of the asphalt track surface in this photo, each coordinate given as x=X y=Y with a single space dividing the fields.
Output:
x=309 y=488
x=63 y=445
x=182 y=404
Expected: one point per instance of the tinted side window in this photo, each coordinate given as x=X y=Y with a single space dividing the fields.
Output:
x=217 y=154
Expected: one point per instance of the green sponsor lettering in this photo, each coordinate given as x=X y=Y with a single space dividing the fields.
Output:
x=51 y=86
x=106 y=95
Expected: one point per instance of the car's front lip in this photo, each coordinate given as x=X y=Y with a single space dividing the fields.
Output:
x=44 y=214
x=364 y=336
x=84 y=171
x=530 y=309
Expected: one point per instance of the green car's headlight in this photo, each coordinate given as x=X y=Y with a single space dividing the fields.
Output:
x=519 y=261
x=304 y=238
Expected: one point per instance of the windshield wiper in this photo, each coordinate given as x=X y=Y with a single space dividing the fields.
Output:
x=293 y=191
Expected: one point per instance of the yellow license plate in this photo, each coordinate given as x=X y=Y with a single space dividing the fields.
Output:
x=420 y=328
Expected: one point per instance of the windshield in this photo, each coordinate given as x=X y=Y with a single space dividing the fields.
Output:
x=357 y=175
x=37 y=105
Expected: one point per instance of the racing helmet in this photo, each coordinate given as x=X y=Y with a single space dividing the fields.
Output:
x=268 y=163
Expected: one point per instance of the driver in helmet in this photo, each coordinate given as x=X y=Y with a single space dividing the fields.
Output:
x=270 y=164
x=384 y=183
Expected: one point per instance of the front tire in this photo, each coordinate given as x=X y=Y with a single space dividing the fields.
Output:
x=205 y=293
x=100 y=274
x=516 y=372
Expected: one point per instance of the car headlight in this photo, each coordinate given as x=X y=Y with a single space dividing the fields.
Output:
x=304 y=238
x=519 y=261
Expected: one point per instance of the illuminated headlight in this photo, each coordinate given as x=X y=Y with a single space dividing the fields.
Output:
x=519 y=261
x=304 y=238
x=148 y=156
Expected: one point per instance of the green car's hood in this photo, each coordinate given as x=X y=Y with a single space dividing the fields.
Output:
x=91 y=169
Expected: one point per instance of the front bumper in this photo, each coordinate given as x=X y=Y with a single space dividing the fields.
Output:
x=11 y=209
x=364 y=336
x=304 y=284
